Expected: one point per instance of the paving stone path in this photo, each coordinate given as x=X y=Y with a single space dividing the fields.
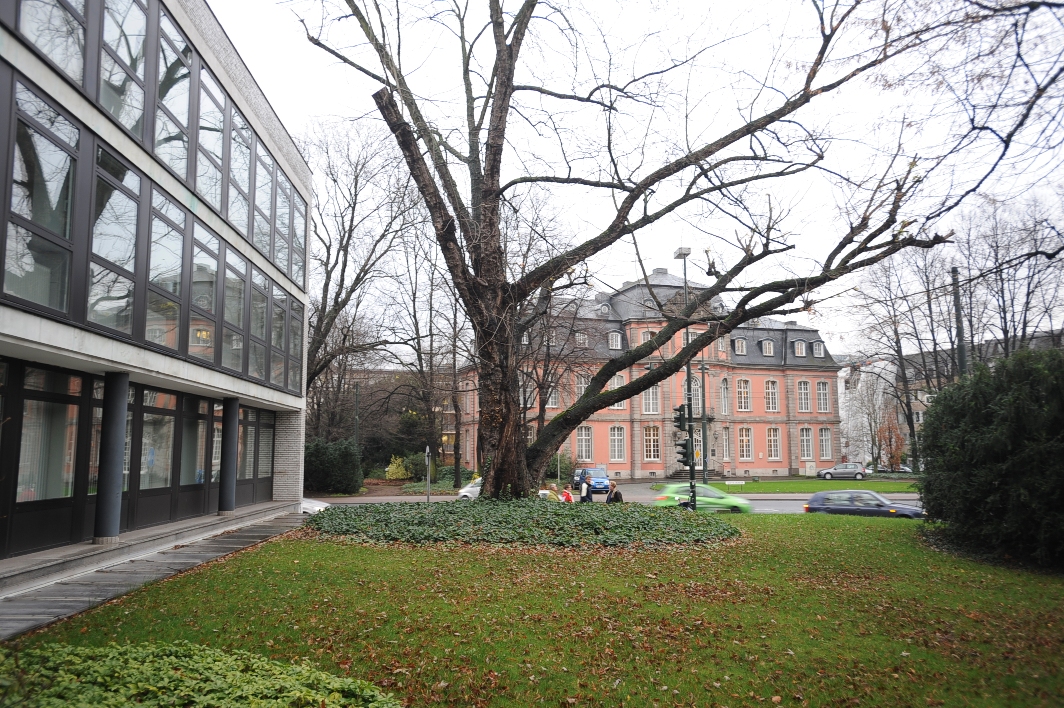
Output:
x=44 y=605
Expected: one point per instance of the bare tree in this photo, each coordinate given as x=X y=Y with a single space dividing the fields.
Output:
x=989 y=61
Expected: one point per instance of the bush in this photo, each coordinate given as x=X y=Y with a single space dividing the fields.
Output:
x=180 y=673
x=994 y=458
x=332 y=467
x=445 y=475
x=397 y=469
x=524 y=522
x=415 y=466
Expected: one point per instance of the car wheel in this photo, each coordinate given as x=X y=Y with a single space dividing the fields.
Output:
x=736 y=510
x=858 y=476
x=827 y=475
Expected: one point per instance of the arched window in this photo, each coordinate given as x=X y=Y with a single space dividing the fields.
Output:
x=616 y=382
x=825 y=443
x=696 y=396
x=725 y=398
x=615 y=340
x=742 y=395
x=616 y=443
x=818 y=349
x=740 y=346
x=799 y=348
x=767 y=348
x=772 y=397
x=823 y=397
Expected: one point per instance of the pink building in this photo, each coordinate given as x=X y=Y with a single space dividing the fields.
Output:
x=770 y=392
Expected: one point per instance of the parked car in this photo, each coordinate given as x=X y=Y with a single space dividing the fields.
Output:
x=860 y=502
x=600 y=480
x=844 y=470
x=472 y=490
x=707 y=498
x=903 y=469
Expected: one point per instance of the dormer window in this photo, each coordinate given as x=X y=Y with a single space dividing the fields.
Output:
x=645 y=336
x=605 y=310
x=525 y=338
x=581 y=339
x=615 y=340
x=766 y=347
x=649 y=304
x=799 y=348
x=740 y=346
x=818 y=349
x=722 y=344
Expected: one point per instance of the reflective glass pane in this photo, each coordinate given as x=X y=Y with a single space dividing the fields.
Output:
x=156 y=451
x=48 y=451
x=211 y=127
x=245 y=468
x=209 y=181
x=283 y=213
x=279 y=315
x=47 y=116
x=174 y=79
x=51 y=382
x=238 y=211
x=193 y=451
x=94 y=449
x=35 y=269
x=160 y=399
x=170 y=31
x=114 y=228
x=166 y=206
x=110 y=299
x=234 y=298
x=207 y=81
x=57 y=33
x=265 y=453
x=261 y=237
x=234 y=261
x=264 y=189
x=171 y=145
x=295 y=336
x=240 y=165
x=257 y=361
x=121 y=96
x=258 y=314
x=205 y=237
x=201 y=338
x=295 y=375
x=163 y=320
x=297 y=267
x=204 y=279
x=216 y=451
x=232 y=350
x=167 y=250
x=280 y=254
x=112 y=166
x=277 y=367
x=43 y=181
x=259 y=279
x=124 y=29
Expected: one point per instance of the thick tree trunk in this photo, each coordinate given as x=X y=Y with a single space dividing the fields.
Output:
x=502 y=439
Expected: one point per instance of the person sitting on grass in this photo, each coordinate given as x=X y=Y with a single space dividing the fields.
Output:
x=552 y=493
x=614 y=495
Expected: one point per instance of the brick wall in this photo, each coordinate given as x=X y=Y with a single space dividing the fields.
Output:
x=288 y=456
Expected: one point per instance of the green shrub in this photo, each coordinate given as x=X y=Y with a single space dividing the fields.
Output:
x=446 y=475
x=397 y=469
x=994 y=458
x=415 y=466
x=524 y=522
x=177 y=674
x=332 y=467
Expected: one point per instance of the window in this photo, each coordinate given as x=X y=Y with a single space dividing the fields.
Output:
x=527 y=391
x=767 y=347
x=645 y=336
x=530 y=434
x=552 y=338
x=616 y=382
x=616 y=443
x=525 y=338
x=651 y=443
x=122 y=57
x=916 y=416
x=930 y=397
x=696 y=396
x=772 y=397
x=818 y=349
x=114 y=243
x=581 y=339
x=553 y=397
x=725 y=398
x=690 y=336
x=799 y=348
x=803 y=397
x=823 y=397
x=58 y=32
x=172 y=111
x=49 y=446
x=615 y=340
x=740 y=346
x=725 y=443
x=825 y=443
x=583 y=443
x=773 y=444
x=582 y=382
x=722 y=344
x=805 y=439
x=211 y=137
x=746 y=447
x=742 y=395
x=651 y=400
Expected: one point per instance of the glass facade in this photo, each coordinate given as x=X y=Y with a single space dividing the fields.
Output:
x=178 y=112
x=143 y=268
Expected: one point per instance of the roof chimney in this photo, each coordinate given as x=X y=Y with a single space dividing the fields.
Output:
x=791 y=323
x=661 y=271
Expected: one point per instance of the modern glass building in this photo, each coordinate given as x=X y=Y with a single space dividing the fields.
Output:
x=152 y=274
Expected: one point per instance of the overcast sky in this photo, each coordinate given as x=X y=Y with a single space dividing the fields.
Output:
x=303 y=84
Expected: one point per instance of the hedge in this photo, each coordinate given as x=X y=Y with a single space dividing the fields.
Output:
x=994 y=458
x=177 y=674
x=334 y=467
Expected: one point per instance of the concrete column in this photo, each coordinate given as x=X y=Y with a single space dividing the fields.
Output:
x=112 y=456
x=230 y=446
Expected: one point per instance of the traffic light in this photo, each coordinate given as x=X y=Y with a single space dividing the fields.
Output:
x=679 y=418
x=684 y=450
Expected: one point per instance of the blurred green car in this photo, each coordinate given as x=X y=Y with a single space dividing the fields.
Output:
x=708 y=498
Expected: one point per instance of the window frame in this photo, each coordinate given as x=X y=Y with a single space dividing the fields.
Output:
x=651 y=443
x=805 y=443
x=773 y=447
x=823 y=396
x=772 y=396
x=617 y=443
x=822 y=439
x=746 y=444
x=585 y=443
x=614 y=338
x=805 y=403
x=743 y=396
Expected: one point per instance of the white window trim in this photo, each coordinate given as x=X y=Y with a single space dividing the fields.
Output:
x=615 y=340
x=740 y=346
x=820 y=441
x=769 y=447
x=772 y=384
x=827 y=397
x=749 y=439
x=739 y=407
x=554 y=397
x=582 y=382
x=616 y=382
x=725 y=437
x=581 y=441
x=799 y=347
x=725 y=397
x=767 y=348
x=617 y=443
x=648 y=441
x=818 y=350
x=805 y=434
x=652 y=400
x=808 y=397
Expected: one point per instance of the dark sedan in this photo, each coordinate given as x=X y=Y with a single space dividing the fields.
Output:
x=858 y=502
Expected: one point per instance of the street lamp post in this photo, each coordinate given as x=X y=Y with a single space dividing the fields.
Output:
x=682 y=253
x=706 y=420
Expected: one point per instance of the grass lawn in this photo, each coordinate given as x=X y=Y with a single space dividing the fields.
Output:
x=817 y=610
x=806 y=486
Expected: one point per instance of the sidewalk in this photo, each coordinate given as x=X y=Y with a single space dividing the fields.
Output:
x=40 y=601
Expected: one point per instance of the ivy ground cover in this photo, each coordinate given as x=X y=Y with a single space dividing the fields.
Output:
x=810 y=609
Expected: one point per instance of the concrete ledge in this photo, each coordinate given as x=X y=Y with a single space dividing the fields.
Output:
x=22 y=572
x=104 y=540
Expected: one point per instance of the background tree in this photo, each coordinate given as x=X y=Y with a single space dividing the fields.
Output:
x=644 y=144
